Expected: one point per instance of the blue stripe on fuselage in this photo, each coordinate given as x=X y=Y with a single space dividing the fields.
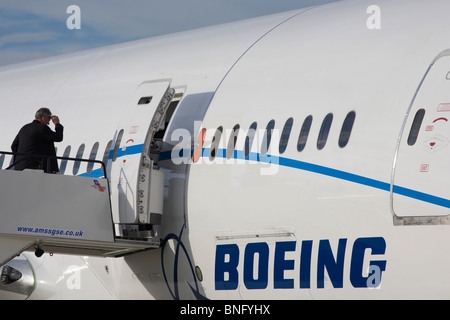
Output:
x=299 y=165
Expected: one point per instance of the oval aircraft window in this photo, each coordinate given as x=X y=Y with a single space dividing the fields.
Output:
x=215 y=143
x=415 y=127
x=324 y=131
x=304 y=133
x=107 y=153
x=199 y=148
x=232 y=142
x=92 y=156
x=117 y=145
x=285 y=135
x=249 y=139
x=267 y=137
x=66 y=153
x=76 y=165
x=347 y=129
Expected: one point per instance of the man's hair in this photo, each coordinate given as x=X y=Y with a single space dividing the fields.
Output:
x=43 y=112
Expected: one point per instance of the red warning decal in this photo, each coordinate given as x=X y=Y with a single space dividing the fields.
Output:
x=444 y=107
x=133 y=129
x=438 y=119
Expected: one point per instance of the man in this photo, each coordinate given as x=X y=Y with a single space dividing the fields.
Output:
x=37 y=139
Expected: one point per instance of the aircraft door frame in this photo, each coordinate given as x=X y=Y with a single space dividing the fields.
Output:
x=142 y=117
x=421 y=173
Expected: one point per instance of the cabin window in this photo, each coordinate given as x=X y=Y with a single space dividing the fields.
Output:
x=347 y=129
x=145 y=100
x=285 y=134
x=232 y=142
x=107 y=152
x=199 y=146
x=304 y=133
x=267 y=137
x=66 y=154
x=92 y=156
x=215 y=143
x=79 y=155
x=117 y=145
x=2 y=159
x=415 y=127
x=249 y=139
x=324 y=131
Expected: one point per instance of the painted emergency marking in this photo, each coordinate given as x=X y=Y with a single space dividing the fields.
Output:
x=234 y=268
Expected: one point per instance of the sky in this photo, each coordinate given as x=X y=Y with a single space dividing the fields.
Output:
x=32 y=29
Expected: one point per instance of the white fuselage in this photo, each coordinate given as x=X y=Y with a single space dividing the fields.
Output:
x=320 y=213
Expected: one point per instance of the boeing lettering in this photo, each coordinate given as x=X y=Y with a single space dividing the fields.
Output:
x=253 y=271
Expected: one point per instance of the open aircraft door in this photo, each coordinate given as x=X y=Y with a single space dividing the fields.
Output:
x=421 y=171
x=137 y=187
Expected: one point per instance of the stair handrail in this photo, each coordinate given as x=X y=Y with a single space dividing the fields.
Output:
x=53 y=157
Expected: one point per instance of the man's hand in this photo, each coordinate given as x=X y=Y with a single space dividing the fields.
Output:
x=55 y=119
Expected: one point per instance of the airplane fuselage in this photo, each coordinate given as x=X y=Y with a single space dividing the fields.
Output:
x=321 y=173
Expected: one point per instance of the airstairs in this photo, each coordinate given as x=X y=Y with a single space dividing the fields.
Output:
x=60 y=214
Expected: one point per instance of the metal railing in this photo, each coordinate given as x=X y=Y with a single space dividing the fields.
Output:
x=48 y=158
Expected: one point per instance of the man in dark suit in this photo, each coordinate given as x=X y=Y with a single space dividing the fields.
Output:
x=36 y=138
